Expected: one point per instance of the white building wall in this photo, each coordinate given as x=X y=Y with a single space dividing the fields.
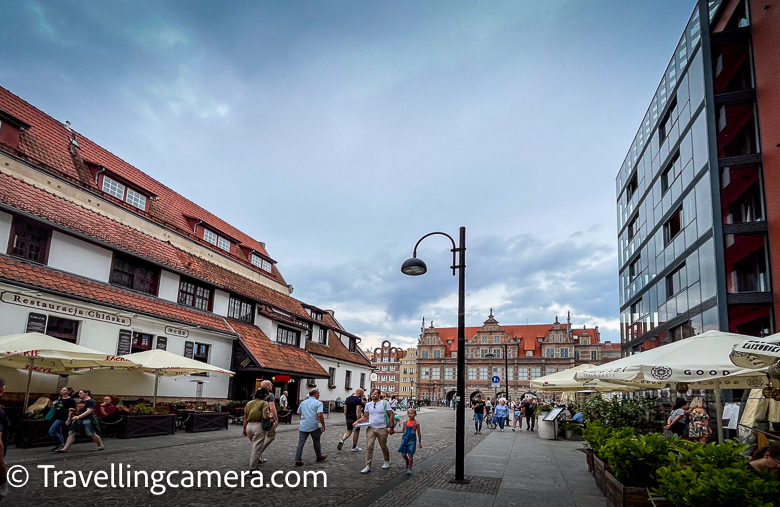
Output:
x=104 y=336
x=75 y=256
x=328 y=394
x=169 y=286
x=5 y=227
x=221 y=299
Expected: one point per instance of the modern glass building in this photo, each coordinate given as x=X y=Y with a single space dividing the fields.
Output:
x=699 y=191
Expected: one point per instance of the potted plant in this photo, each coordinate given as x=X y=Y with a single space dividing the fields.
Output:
x=762 y=423
x=331 y=386
x=573 y=431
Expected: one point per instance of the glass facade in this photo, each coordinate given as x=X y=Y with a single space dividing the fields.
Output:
x=672 y=236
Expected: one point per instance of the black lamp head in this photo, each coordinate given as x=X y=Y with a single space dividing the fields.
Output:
x=414 y=267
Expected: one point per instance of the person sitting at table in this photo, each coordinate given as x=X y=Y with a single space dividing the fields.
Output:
x=578 y=418
x=107 y=408
x=767 y=458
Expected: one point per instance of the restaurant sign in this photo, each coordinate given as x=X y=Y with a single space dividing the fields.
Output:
x=176 y=331
x=14 y=298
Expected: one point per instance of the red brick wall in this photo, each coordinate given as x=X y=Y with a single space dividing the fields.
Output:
x=766 y=48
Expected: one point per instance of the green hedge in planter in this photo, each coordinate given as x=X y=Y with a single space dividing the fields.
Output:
x=640 y=413
x=575 y=428
x=596 y=435
x=635 y=459
x=715 y=475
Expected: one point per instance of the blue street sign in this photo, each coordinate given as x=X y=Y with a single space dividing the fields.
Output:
x=496 y=379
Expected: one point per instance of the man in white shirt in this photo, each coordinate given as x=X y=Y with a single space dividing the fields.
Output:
x=283 y=401
x=378 y=413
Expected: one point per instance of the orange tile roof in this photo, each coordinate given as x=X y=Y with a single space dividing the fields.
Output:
x=275 y=356
x=46 y=143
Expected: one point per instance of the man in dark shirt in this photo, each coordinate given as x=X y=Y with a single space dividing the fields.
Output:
x=478 y=405
x=353 y=409
x=529 y=409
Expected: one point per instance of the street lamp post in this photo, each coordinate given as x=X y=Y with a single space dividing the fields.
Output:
x=416 y=267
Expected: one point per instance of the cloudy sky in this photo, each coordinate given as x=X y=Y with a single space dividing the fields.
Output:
x=340 y=132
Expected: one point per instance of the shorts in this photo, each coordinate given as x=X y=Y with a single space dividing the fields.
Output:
x=351 y=424
x=82 y=427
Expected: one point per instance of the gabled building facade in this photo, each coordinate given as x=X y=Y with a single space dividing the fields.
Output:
x=96 y=252
x=531 y=351
x=386 y=360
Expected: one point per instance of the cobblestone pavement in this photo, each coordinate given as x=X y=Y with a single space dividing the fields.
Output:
x=222 y=452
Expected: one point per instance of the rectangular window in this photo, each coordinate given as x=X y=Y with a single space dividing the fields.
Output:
x=472 y=374
x=223 y=243
x=437 y=354
x=266 y=266
x=405 y=369
x=30 y=240
x=448 y=374
x=241 y=309
x=496 y=353
x=425 y=354
x=210 y=236
x=201 y=352
x=362 y=380
x=384 y=378
x=392 y=367
x=392 y=378
x=673 y=226
x=323 y=336
x=633 y=186
x=510 y=373
x=484 y=339
x=633 y=227
x=635 y=309
x=522 y=374
x=352 y=344
x=288 y=336
x=565 y=352
x=134 y=274
x=483 y=374
x=425 y=373
x=191 y=293
x=671 y=172
x=384 y=368
x=634 y=268
x=113 y=187
x=136 y=199
x=392 y=389
x=550 y=352
x=64 y=329
x=668 y=121
x=436 y=373
x=592 y=355
x=141 y=342
x=496 y=339
x=676 y=281
x=576 y=355
x=536 y=373
x=383 y=388
x=331 y=376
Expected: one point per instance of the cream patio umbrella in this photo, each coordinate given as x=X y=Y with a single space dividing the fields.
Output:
x=42 y=353
x=757 y=352
x=167 y=364
x=564 y=381
x=700 y=358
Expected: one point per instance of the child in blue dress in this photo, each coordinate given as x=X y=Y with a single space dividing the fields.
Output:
x=409 y=439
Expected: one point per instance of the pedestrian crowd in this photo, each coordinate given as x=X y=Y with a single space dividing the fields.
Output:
x=498 y=411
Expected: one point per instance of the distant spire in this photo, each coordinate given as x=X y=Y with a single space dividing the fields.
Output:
x=491 y=312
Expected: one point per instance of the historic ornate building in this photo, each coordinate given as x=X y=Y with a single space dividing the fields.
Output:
x=409 y=374
x=386 y=360
x=531 y=351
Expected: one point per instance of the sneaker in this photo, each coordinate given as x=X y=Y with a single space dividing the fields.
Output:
x=263 y=460
x=322 y=458
x=386 y=464
x=356 y=449
x=299 y=463
x=502 y=429
x=513 y=429
x=408 y=471
x=341 y=444
x=365 y=470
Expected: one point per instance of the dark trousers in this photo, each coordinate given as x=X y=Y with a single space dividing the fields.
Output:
x=530 y=420
x=315 y=438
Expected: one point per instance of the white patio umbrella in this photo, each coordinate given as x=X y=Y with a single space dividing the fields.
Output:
x=564 y=381
x=42 y=353
x=757 y=352
x=700 y=358
x=162 y=363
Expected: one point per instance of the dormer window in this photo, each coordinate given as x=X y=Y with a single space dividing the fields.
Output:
x=264 y=265
x=123 y=192
x=215 y=239
x=316 y=315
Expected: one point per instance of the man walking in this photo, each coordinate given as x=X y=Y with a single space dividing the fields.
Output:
x=353 y=410
x=529 y=407
x=312 y=425
x=271 y=399
x=379 y=417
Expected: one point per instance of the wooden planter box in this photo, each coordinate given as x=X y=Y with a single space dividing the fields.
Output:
x=619 y=495
x=152 y=425
x=598 y=472
x=206 y=421
x=35 y=433
x=589 y=459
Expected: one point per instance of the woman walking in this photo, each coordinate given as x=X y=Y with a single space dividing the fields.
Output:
x=677 y=420
x=698 y=421
x=518 y=417
x=83 y=422
x=255 y=412
x=409 y=439
x=61 y=408
x=502 y=413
